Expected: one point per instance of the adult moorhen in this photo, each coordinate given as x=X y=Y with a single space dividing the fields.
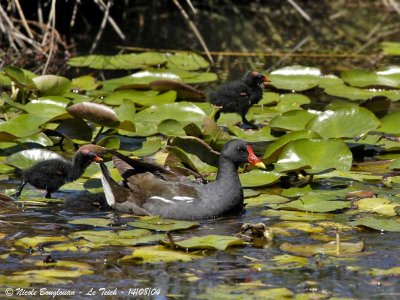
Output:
x=51 y=174
x=149 y=189
x=239 y=95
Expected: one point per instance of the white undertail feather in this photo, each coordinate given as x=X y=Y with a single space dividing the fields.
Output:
x=107 y=191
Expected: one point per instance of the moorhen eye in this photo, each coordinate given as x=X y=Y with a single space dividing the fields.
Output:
x=238 y=96
x=150 y=189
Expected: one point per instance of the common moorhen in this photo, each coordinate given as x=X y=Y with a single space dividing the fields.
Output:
x=149 y=189
x=239 y=95
x=51 y=174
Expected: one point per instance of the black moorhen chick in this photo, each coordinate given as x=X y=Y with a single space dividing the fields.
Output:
x=238 y=96
x=51 y=174
x=153 y=190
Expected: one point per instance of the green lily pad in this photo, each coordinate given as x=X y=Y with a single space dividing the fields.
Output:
x=296 y=78
x=258 y=178
x=21 y=78
x=264 y=134
x=126 y=115
x=341 y=90
x=117 y=238
x=314 y=205
x=381 y=206
x=331 y=248
x=208 y=242
x=157 y=254
x=144 y=98
x=96 y=222
x=22 y=126
x=150 y=146
x=47 y=107
x=56 y=272
x=288 y=215
x=27 y=158
x=186 y=61
x=159 y=224
x=52 y=85
x=294 y=120
x=344 y=122
x=184 y=112
x=315 y=156
x=291 y=101
x=382 y=224
x=390 y=123
x=275 y=148
x=85 y=83
x=391 y=48
x=37 y=138
x=27 y=242
x=395 y=165
x=389 y=77
x=183 y=91
x=171 y=127
x=384 y=272
x=265 y=199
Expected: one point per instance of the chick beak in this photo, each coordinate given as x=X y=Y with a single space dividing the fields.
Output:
x=253 y=159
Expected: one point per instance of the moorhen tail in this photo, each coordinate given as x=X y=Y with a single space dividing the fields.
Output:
x=153 y=190
x=238 y=96
x=51 y=174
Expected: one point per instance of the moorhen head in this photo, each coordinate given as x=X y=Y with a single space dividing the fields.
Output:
x=51 y=174
x=238 y=96
x=149 y=189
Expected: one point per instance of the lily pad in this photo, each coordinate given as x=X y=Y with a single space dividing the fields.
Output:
x=293 y=120
x=157 y=254
x=20 y=77
x=344 y=122
x=27 y=158
x=291 y=101
x=315 y=156
x=331 y=248
x=389 y=77
x=144 y=98
x=208 y=242
x=382 y=224
x=96 y=222
x=149 y=146
x=390 y=123
x=159 y=224
x=22 y=126
x=27 y=242
x=186 y=60
x=171 y=127
x=265 y=199
x=183 y=91
x=85 y=83
x=314 y=205
x=75 y=128
x=258 y=178
x=184 y=112
x=264 y=134
x=381 y=206
x=353 y=93
x=52 y=85
x=47 y=107
x=38 y=138
x=391 y=48
x=296 y=78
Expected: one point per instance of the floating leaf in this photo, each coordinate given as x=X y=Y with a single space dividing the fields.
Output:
x=52 y=85
x=315 y=156
x=291 y=101
x=314 y=205
x=265 y=199
x=85 y=83
x=297 y=78
x=159 y=224
x=184 y=112
x=293 y=120
x=186 y=60
x=94 y=112
x=38 y=138
x=149 y=146
x=27 y=158
x=382 y=224
x=183 y=91
x=352 y=93
x=390 y=123
x=56 y=272
x=264 y=134
x=47 y=107
x=110 y=142
x=384 y=272
x=381 y=206
x=97 y=222
x=208 y=242
x=288 y=215
x=22 y=126
x=20 y=77
x=27 y=242
x=171 y=127
x=157 y=254
x=258 y=178
x=344 y=122
x=144 y=98
x=331 y=248
x=389 y=77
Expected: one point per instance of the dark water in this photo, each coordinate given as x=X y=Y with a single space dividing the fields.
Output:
x=351 y=28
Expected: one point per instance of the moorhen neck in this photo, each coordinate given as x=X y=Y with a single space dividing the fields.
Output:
x=51 y=174
x=153 y=190
x=238 y=96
